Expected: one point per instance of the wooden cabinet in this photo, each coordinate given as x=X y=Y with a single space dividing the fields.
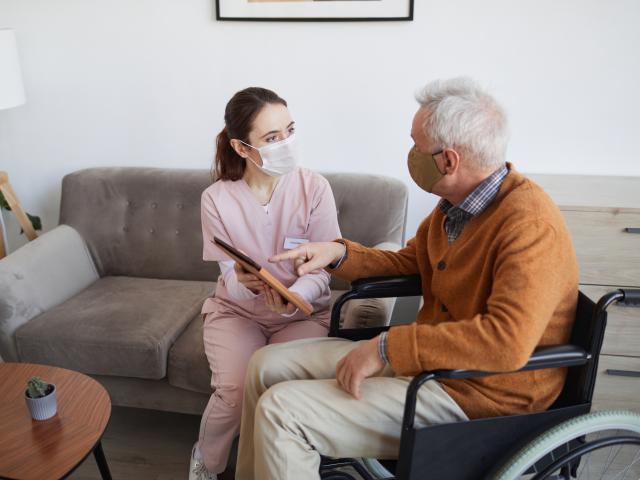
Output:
x=603 y=216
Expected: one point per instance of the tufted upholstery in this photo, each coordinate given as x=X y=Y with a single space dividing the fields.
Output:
x=139 y=222
x=145 y=222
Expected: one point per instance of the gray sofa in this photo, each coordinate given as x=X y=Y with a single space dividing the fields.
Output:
x=115 y=290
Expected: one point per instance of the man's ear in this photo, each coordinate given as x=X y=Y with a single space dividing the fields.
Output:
x=239 y=147
x=452 y=161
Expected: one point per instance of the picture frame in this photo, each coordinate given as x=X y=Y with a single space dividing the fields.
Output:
x=314 y=10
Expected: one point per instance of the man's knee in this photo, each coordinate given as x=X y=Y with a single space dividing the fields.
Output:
x=277 y=403
x=263 y=360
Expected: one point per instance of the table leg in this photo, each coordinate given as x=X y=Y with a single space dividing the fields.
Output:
x=102 y=462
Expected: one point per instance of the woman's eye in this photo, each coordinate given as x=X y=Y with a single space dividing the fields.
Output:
x=292 y=129
x=271 y=139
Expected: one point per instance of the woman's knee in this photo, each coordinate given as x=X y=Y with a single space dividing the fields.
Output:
x=230 y=395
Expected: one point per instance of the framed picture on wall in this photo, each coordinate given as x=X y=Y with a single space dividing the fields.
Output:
x=314 y=10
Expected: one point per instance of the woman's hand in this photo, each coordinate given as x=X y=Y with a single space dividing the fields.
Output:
x=276 y=303
x=249 y=280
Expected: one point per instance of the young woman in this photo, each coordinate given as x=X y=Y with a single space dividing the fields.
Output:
x=261 y=203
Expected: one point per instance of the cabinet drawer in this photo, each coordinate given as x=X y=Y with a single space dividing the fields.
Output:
x=607 y=254
x=622 y=336
x=615 y=385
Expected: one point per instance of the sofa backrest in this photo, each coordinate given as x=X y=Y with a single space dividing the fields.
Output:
x=145 y=222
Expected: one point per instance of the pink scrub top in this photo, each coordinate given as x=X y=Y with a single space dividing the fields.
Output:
x=301 y=208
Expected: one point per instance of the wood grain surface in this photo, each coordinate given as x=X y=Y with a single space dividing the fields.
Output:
x=31 y=449
x=267 y=277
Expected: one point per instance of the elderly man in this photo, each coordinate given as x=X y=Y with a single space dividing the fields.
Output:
x=499 y=278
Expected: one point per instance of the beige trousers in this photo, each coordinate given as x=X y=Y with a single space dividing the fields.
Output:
x=294 y=411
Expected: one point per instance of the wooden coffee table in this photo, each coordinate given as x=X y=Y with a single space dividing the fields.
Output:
x=53 y=448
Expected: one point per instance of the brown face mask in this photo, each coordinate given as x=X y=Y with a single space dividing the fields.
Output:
x=424 y=169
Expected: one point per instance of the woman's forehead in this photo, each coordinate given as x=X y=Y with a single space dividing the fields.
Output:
x=271 y=117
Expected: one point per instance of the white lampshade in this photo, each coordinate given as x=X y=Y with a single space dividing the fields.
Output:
x=11 y=88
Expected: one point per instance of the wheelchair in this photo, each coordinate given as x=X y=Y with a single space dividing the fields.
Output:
x=560 y=443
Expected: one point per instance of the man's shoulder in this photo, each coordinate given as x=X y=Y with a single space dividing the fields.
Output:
x=522 y=199
x=524 y=208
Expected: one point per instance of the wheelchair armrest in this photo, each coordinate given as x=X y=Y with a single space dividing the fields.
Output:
x=381 y=287
x=545 y=357
x=373 y=287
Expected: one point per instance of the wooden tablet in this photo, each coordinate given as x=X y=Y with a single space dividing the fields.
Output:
x=252 y=267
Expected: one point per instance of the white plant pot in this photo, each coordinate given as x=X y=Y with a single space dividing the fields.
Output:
x=42 y=408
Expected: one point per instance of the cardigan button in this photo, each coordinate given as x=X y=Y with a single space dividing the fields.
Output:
x=441 y=265
x=444 y=308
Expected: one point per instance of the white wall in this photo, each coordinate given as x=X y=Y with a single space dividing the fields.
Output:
x=144 y=82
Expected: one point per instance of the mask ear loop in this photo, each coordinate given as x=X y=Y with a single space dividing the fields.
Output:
x=248 y=157
x=245 y=143
x=433 y=157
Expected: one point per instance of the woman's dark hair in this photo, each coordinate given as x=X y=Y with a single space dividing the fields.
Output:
x=239 y=115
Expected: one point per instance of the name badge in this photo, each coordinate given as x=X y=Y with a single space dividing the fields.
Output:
x=290 y=242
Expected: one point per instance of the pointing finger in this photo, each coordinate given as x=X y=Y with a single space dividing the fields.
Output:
x=292 y=254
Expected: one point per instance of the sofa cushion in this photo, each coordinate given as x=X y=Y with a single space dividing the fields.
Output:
x=188 y=365
x=119 y=326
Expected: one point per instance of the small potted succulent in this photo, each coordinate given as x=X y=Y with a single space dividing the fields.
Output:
x=41 y=399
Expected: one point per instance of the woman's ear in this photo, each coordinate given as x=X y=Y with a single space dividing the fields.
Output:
x=239 y=147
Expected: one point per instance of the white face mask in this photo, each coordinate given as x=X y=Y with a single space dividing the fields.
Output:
x=278 y=158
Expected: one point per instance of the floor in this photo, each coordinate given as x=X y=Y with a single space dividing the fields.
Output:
x=145 y=444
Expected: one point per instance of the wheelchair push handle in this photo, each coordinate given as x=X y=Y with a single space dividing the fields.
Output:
x=631 y=297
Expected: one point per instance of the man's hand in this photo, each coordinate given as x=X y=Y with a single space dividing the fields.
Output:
x=360 y=363
x=249 y=280
x=276 y=303
x=310 y=257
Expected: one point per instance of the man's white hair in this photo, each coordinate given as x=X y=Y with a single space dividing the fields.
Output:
x=461 y=114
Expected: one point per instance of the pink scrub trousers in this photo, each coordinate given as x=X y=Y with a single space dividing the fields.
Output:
x=229 y=342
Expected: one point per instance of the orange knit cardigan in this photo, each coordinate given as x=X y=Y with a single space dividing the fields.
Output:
x=507 y=285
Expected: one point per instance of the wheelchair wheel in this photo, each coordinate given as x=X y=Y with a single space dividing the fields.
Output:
x=599 y=445
x=376 y=469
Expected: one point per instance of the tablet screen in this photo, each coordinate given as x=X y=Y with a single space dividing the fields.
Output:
x=228 y=248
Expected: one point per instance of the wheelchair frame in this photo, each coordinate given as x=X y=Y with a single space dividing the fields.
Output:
x=486 y=442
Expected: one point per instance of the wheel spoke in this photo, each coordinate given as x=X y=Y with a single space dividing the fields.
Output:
x=610 y=460
x=626 y=470
x=618 y=449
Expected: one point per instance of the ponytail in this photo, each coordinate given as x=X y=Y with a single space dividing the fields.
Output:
x=228 y=164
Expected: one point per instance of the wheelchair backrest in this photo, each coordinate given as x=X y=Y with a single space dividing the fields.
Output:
x=587 y=333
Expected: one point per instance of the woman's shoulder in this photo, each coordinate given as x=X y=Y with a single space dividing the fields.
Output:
x=311 y=179
x=216 y=189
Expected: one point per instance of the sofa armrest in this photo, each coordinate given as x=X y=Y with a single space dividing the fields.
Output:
x=38 y=276
x=369 y=312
